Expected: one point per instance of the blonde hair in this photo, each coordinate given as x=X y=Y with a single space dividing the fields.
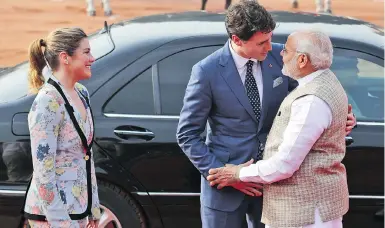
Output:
x=46 y=51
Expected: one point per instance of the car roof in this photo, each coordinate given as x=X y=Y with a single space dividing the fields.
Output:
x=166 y=27
x=135 y=38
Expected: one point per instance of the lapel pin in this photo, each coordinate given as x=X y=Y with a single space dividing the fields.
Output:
x=270 y=65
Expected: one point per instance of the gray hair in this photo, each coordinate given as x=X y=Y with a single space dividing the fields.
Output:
x=317 y=46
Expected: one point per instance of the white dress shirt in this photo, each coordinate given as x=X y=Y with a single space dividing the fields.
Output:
x=240 y=63
x=310 y=116
x=336 y=223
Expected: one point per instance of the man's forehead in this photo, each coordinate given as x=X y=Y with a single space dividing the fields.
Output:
x=260 y=36
x=290 y=41
x=264 y=34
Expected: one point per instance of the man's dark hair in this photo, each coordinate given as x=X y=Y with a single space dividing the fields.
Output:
x=247 y=17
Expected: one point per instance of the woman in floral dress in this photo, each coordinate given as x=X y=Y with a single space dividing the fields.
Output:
x=58 y=196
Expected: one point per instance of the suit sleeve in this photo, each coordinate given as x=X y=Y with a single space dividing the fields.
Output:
x=197 y=105
x=44 y=123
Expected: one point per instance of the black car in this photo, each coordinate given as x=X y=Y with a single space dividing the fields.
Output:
x=137 y=87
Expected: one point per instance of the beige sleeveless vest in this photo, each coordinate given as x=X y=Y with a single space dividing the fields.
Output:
x=320 y=181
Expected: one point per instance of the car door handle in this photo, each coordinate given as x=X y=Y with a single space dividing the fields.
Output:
x=135 y=133
x=348 y=140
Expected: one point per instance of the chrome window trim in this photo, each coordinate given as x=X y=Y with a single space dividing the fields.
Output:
x=164 y=117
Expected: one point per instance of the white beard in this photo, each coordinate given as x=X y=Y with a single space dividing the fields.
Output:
x=284 y=71
x=290 y=69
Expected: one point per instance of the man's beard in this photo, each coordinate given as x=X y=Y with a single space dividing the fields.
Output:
x=290 y=69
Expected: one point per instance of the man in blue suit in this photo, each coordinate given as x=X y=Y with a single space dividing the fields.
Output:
x=236 y=92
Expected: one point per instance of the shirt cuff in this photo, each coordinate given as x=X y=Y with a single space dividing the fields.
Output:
x=248 y=173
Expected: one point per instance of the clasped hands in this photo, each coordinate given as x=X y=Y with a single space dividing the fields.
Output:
x=229 y=176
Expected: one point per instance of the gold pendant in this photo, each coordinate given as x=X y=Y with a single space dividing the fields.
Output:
x=86 y=157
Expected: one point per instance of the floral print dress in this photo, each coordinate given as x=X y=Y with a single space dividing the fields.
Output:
x=59 y=184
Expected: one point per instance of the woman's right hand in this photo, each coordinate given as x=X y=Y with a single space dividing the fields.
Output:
x=92 y=223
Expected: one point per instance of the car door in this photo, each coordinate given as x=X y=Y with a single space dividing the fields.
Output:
x=362 y=76
x=138 y=127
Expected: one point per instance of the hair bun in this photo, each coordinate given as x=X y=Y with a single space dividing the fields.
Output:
x=43 y=43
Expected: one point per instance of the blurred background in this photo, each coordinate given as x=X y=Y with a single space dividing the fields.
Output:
x=25 y=20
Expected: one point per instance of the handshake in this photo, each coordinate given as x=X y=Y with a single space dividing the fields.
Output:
x=229 y=176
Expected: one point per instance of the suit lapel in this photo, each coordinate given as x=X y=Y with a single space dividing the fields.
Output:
x=267 y=80
x=230 y=74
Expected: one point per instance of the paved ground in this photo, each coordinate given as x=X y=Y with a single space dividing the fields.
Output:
x=22 y=23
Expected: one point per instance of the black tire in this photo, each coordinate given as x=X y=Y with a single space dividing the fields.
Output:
x=121 y=204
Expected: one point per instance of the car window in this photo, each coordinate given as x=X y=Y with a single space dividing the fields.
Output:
x=14 y=80
x=362 y=77
x=174 y=74
x=136 y=97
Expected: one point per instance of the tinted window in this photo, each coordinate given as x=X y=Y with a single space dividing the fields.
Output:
x=136 y=97
x=362 y=77
x=174 y=74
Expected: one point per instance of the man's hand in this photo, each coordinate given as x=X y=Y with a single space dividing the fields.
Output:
x=351 y=122
x=248 y=188
x=92 y=223
x=226 y=176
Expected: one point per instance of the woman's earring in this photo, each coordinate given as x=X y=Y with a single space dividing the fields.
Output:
x=66 y=62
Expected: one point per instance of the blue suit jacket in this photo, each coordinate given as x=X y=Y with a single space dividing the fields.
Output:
x=216 y=95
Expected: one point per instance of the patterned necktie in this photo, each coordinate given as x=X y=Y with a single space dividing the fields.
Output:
x=252 y=90
x=253 y=94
